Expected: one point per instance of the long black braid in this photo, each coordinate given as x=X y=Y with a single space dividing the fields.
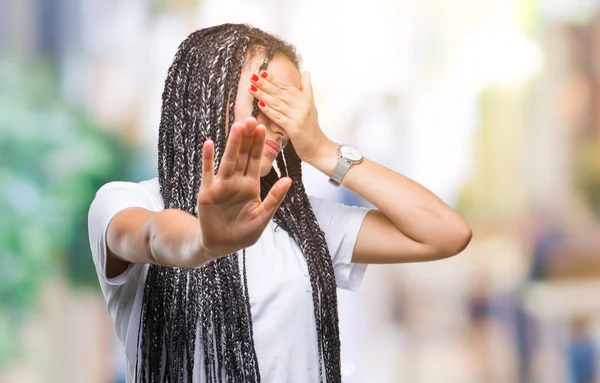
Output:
x=210 y=304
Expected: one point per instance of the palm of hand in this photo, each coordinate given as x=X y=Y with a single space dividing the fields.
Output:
x=230 y=211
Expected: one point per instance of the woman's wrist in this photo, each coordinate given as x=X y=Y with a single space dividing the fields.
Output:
x=325 y=158
x=193 y=254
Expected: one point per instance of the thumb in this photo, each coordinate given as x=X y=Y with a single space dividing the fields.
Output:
x=306 y=83
x=276 y=195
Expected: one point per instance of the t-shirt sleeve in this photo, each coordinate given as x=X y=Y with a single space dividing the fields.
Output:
x=341 y=225
x=109 y=200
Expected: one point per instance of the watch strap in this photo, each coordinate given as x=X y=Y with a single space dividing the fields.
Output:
x=340 y=170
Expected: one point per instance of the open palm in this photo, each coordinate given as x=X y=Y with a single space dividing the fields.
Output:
x=231 y=213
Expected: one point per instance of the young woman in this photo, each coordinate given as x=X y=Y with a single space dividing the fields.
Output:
x=222 y=269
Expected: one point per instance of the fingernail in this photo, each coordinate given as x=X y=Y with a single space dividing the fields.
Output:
x=261 y=103
x=254 y=77
x=263 y=74
x=253 y=88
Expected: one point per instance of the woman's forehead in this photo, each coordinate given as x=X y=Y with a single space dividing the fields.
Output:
x=280 y=69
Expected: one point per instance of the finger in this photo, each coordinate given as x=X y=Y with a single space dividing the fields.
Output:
x=276 y=196
x=243 y=154
x=285 y=92
x=258 y=146
x=208 y=167
x=287 y=88
x=306 y=84
x=229 y=160
x=273 y=102
x=274 y=115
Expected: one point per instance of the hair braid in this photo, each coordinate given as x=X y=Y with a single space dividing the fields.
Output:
x=210 y=304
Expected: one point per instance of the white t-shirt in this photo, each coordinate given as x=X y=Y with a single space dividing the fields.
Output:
x=285 y=336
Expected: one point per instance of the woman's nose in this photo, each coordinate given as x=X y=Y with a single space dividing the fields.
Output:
x=277 y=131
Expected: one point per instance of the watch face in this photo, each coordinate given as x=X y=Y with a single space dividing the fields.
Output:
x=350 y=153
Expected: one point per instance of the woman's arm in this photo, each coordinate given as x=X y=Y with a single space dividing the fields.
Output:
x=411 y=223
x=231 y=214
x=169 y=238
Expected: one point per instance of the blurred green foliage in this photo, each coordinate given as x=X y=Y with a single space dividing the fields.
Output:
x=52 y=160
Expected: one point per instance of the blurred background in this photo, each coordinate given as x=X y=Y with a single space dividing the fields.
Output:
x=492 y=104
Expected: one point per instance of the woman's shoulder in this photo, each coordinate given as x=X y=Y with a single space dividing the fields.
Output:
x=318 y=203
x=147 y=190
x=325 y=203
x=150 y=185
x=335 y=213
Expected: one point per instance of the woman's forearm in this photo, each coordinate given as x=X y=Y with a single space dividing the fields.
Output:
x=175 y=240
x=413 y=209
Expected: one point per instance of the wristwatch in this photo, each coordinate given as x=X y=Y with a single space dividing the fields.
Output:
x=347 y=156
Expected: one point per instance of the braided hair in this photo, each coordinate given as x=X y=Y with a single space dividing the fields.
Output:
x=210 y=305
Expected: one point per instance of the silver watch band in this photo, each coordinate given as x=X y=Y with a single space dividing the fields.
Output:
x=340 y=170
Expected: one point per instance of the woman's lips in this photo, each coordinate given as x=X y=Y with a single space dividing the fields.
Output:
x=272 y=147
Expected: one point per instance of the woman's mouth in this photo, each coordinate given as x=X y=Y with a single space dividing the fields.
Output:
x=272 y=147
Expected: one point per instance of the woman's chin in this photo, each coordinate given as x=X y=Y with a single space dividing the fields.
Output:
x=266 y=166
x=264 y=171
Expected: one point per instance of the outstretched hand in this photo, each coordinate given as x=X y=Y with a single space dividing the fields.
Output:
x=230 y=211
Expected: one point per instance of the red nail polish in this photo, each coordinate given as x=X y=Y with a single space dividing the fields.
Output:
x=263 y=74
x=261 y=103
x=253 y=88
x=254 y=77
